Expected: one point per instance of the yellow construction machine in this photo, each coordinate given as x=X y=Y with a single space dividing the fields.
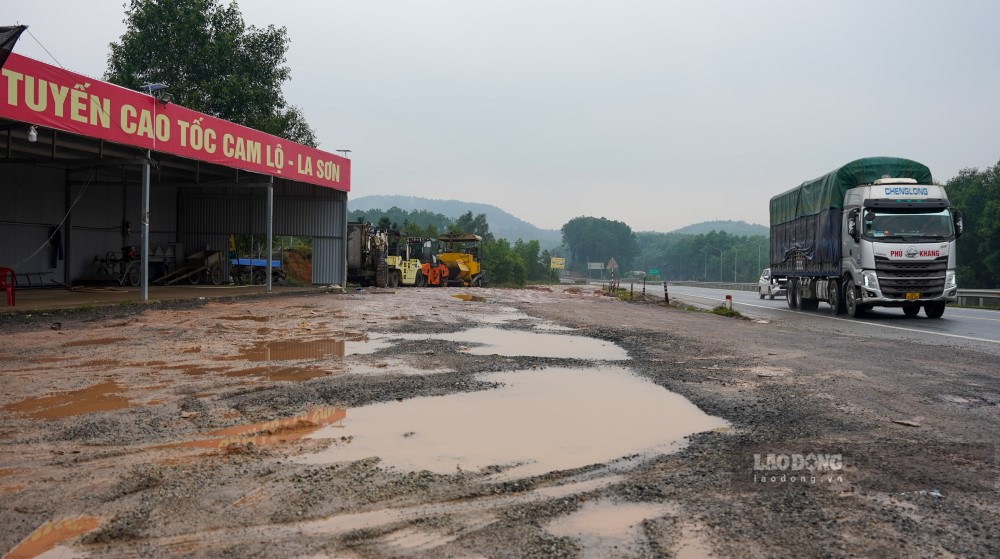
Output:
x=461 y=255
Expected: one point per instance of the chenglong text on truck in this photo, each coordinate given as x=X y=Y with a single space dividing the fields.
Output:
x=874 y=233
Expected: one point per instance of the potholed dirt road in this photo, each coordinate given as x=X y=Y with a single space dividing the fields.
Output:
x=497 y=423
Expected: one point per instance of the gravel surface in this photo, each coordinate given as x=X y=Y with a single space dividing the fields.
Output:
x=164 y=431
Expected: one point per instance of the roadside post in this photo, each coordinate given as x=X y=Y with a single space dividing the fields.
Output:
x=666 y=295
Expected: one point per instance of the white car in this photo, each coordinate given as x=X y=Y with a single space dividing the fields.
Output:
x=770 y=286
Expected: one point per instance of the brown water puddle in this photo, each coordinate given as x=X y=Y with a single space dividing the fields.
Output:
x=269 y=432
x=196 y=370
x=540 y=421
x=245 y=317
x=106 y=396
x=97 y=341
x=295 y=374
x=287 y=350
x=604 y=528
x=470 y=297
x=50 y=534
x=292 y=349
x=497 y=341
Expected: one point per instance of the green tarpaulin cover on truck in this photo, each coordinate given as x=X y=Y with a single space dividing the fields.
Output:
x=826 y=192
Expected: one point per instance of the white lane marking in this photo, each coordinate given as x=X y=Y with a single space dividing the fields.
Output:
x=852 y=320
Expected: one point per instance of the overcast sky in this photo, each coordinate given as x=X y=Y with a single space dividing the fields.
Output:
x=655 y=113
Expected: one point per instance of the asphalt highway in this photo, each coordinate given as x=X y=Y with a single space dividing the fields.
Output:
x=960 y=327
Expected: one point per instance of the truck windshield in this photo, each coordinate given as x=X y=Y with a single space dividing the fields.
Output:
x=908 y=226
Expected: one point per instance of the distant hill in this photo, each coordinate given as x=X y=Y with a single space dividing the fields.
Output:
x=739 y=228
x=502 y=224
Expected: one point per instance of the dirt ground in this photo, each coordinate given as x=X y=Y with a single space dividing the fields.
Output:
x=200 y=429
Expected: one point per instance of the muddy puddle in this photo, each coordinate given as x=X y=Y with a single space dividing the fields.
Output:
x=98 y=341
x=106 y=396
x=288 y=350
x=293 y=374
x=604 y=528
x=496 y=341
x=45 y=541
x=538 y=421
x=250 y=317
x=269 y=432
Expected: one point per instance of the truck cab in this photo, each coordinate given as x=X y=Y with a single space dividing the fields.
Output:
x=899 y=247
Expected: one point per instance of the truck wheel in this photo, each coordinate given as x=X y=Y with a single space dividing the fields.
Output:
x=802 y=303
x=421 y=280
x=760 y=291
x=911 y=310
x=792 y=293
x=835 y=300
x=934 y=310
x=851 y=303
x=394 y=278
x=770 y=293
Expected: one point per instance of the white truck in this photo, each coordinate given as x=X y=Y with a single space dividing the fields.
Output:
x=876 y=232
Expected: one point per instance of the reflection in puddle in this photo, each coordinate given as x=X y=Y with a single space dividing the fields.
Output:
x=293 y=349
x=269 y=432
x=312 y=349
x=470 y=297
x=604 y=529
x=46 y=536
x=105 y=396
x=531 y=344
x=543 y=420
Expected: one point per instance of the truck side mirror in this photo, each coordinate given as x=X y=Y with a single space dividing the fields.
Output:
x=852 y=225
x=959 y=225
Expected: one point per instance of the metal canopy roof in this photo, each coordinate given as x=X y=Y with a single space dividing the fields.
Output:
x=112 y=162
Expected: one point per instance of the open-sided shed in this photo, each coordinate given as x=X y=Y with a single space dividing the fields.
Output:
x=88 y=167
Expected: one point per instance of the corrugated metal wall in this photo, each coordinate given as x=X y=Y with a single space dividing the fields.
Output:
x=208 y=215
x=32 y=202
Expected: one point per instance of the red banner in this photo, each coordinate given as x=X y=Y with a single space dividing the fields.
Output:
x=37 y=93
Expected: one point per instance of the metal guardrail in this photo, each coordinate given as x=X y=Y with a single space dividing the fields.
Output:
x=975 y=298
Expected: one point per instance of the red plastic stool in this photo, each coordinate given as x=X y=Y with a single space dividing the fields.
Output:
x=9 y=283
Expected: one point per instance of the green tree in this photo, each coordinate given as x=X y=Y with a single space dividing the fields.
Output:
x=503 y=266
x=528 y=252
x=598 y=240
x=478 y=225
x=211 y=61
x=977 y=194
